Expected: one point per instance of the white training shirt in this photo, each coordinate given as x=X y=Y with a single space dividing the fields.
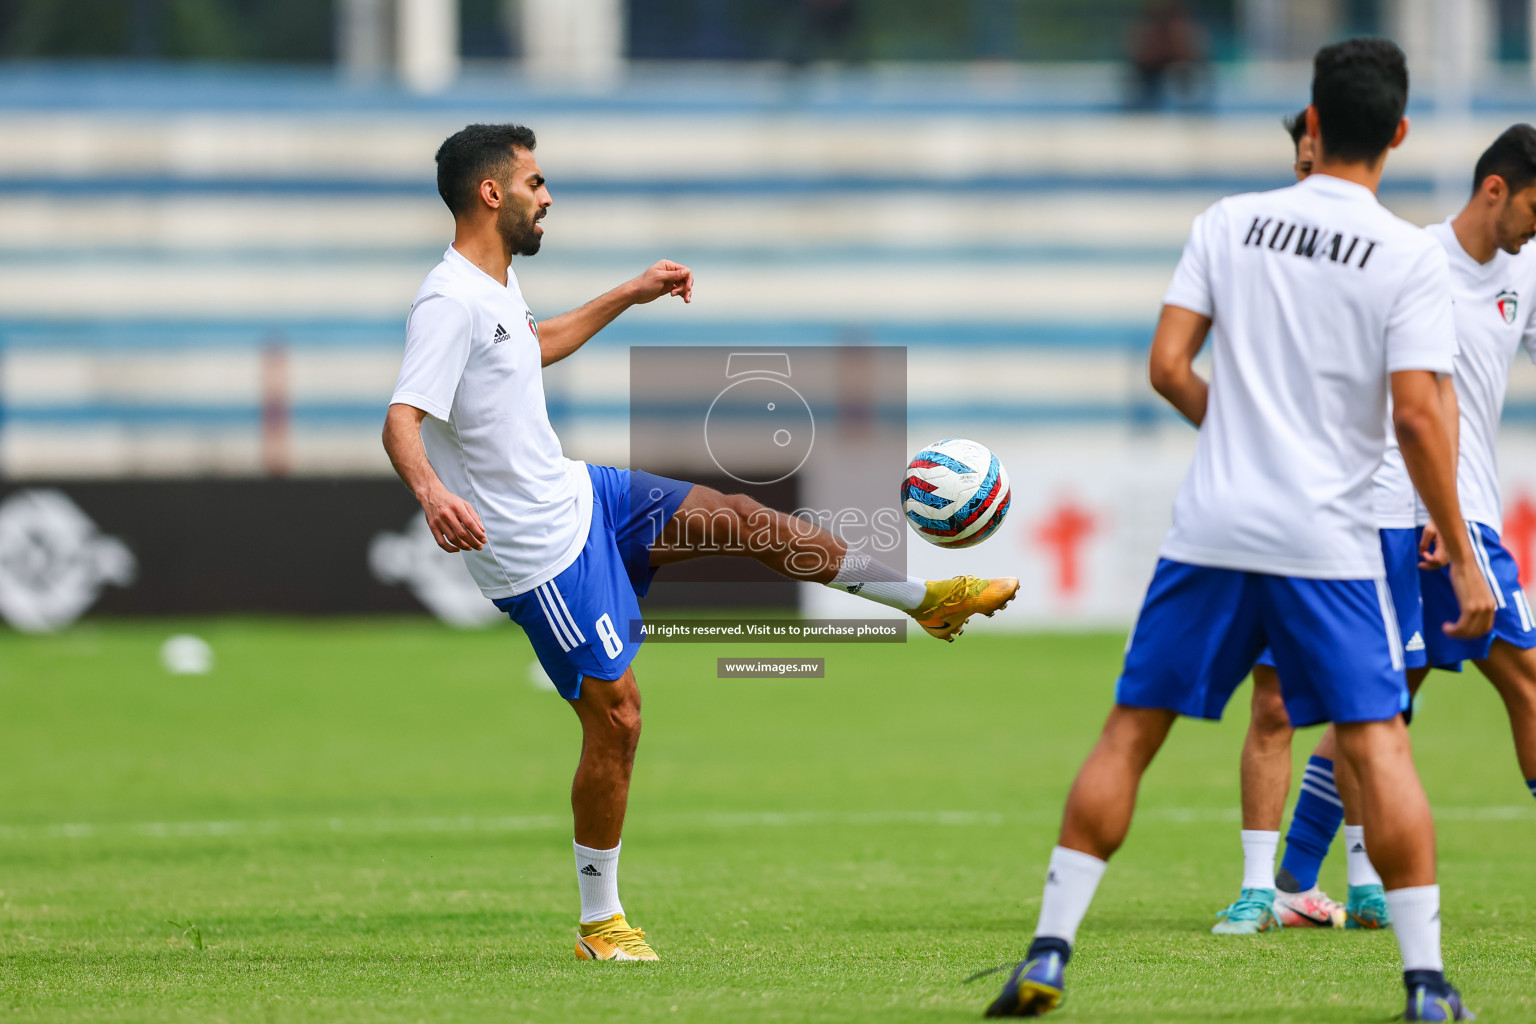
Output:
x=1494 y=306
x=1316 y=293
x=472 y=364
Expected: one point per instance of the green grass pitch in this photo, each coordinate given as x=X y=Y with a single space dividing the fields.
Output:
x=368 y=821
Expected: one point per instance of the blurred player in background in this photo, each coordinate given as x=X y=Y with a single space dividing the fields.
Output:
x=1291 y=897
x=564 y=548
x=1493 y=282
x=1319 y=302
x=1489 y=274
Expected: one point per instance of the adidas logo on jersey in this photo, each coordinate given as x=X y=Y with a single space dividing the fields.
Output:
x=1357 y=848
x=591 y=872
x=500 y=336
x=1415 y=642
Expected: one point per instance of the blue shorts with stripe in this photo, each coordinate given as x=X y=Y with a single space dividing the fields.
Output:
x=1335 y=642
x=578 y=622
x=1512 y=620
x=1400 y=552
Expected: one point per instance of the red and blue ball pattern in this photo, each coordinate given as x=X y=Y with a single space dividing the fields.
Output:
x=956 y=493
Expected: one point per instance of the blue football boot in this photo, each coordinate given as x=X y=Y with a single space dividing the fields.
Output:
x=1427 y=1004
x=1034 y=988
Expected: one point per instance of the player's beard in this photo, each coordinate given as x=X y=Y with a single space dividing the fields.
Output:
x=516 y=228
x=1507 y=230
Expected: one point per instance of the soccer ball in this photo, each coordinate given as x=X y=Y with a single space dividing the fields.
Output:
x=956 y=493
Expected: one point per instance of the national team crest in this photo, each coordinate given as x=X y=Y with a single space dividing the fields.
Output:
x=533 y=325
x=1508 y=301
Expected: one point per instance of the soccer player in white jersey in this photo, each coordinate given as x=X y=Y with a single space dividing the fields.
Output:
x=1490 y=270
x=1291 y=897
x=564 y=548
x=1318 y=303
x=1493 y=282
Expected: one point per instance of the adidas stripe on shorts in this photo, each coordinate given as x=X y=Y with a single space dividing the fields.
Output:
x=1512 y=619
x=580 y=622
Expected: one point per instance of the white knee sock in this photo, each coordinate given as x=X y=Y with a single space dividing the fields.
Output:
x=1358 y=862
x=1259 y=858
x=1416 y=920
x=1070 y=883
x=862 y=575
x=597 y=873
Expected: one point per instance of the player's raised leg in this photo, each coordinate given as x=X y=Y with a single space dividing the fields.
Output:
x=1266 y=779
x=709 y=523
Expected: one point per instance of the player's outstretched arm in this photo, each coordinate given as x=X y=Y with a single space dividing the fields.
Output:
x=567 y=332
x=1418 y=418
x=1171 y=365
x=455 y=524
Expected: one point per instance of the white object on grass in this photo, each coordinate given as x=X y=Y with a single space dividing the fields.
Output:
x=186 y=655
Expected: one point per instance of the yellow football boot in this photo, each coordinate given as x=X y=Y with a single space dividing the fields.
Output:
x=613 y=939
x=949 y=603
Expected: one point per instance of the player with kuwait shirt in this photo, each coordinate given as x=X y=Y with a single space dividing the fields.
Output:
x=1318 y=303
x=1291 y=896
x=564 y=548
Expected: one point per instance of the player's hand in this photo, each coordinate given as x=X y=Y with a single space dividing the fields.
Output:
x=1432 y=553
x=665 y=278
x=1476 y=602
x=454 y=522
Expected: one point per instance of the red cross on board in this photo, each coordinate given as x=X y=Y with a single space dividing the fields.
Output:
x=1063 y=532
x=1520 y=533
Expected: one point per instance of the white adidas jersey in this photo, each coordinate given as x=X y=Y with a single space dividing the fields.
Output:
x=1494 y=306
x=472 y=363
x=1316 y=293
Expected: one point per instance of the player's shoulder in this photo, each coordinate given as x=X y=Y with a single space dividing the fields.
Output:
x=445 y=279
x=447 y=289
x=1402 y=248
x=1237 y=205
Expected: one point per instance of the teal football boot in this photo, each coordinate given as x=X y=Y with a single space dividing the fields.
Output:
x=1253 y=912
x=1367 y=908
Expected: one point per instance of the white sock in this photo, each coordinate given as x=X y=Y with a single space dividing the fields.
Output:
x=1069 y=886
x=597 y=873
x=1361 y=872
x=1416 y=920
x=862 y=575
x=1259 y=858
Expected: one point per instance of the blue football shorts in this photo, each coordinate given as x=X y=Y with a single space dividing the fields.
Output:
x=579 y=622
x=1400 y=552
x=1336 y=644
x=1512 y=620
